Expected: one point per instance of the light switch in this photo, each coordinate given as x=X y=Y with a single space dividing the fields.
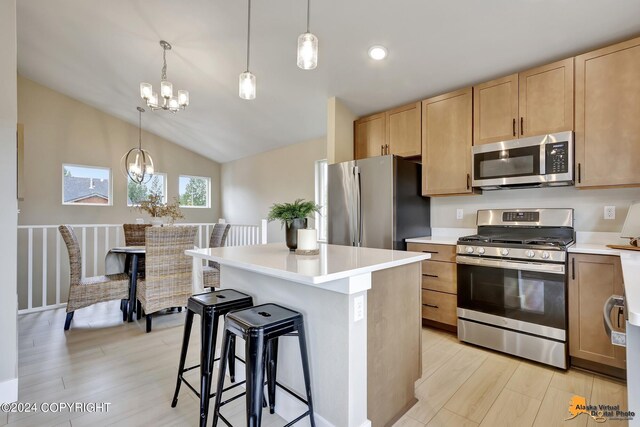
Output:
x=358 y=308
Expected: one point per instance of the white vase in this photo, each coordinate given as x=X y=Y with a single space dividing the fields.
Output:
x=157 y=221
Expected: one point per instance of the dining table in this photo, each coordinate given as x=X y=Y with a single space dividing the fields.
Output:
x=125 y=258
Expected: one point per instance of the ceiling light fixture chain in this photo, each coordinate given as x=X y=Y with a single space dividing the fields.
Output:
x=248 y=33
x=167 y=100
x=308 y=13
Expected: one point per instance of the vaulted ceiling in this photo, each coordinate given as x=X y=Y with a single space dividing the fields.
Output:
x=99 y=51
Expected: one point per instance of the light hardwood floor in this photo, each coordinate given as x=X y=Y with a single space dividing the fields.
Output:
x=464 y=385
x=102 y=360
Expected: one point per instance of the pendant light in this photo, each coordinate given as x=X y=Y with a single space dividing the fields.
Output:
x=307 y=47
x=167 y=101
x=247 y=81
x=137 y=163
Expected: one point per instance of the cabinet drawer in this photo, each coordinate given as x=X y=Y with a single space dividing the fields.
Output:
x=439 y=307
x=439 y=276
x=446 y=253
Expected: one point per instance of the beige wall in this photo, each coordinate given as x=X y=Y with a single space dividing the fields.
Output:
x=588 y=204
x=339 y=131
x=59 y=129
x=252 y=184
x=8 y=213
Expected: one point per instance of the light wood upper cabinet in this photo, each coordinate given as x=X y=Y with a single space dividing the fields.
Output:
x=447 y=126
x=592 y=280
x=495 y=110
x=608 y=116
x=535 y=102
x=369 y=136
x=404 y=129
x=546 y=99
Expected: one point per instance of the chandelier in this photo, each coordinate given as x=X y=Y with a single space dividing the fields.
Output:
x=137 y=163
x=167 y=100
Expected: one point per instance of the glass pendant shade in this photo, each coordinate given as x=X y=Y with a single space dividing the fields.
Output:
x=166 y=89
x=173 y=104
x=139 y=165
x=153 y=100
x=247 y=85
x=307 y=51
x=146 y=91
x=183 y=98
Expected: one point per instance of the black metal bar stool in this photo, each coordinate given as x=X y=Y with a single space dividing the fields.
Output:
x=210 y=306
x=260 y=327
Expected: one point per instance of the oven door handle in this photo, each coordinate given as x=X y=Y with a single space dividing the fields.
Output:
x=512 y=265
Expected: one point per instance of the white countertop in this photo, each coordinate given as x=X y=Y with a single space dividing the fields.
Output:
x=593 y=248
x=443 y=236
x=631 y=275
x=334 y=261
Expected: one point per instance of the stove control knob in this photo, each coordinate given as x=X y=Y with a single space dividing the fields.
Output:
x=481 y=251
x=469 y=250
x=504 y=252
x=545 y=255
x=530 y=254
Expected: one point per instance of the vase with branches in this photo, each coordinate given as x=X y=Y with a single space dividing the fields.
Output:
x=158 y=209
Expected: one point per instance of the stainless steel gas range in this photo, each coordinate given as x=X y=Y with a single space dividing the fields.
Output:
x=512 y=283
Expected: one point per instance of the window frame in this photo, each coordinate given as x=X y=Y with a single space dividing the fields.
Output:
x=321 y=186
x=110 y=203
x=165 y=196
x=208 y=180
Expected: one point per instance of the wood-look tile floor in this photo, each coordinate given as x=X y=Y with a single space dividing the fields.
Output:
x=103 y=360
x=464 y=385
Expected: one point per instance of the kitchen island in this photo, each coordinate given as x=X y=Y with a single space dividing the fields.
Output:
x=361 y=309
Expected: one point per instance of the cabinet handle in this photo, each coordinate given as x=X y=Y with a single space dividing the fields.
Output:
x=620 y=311
x=573 y=269
x=468 y=182
x=431 y=252
x=579 y=173
x=382 y=150
x=432 y=305
x=521 y=125
x=514 y=126
x=387 y=148
x=430 y=275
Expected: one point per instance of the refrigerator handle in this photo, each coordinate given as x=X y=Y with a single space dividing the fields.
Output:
x=353 y=211
x=359 y=189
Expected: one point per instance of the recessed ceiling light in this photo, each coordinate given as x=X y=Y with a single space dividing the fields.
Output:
x=377 y=53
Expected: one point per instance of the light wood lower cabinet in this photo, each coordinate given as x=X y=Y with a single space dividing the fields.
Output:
x=592 y=280
x=439 y=284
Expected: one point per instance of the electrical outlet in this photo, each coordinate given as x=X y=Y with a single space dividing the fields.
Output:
x=358 y=308
x=609 y=212
x=459 y=213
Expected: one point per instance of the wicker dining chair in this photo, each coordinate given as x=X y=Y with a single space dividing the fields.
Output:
x=168 y=281
x=86 y=291
x=134 y=236
x=211 y=272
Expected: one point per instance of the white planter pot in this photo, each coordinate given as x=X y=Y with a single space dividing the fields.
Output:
x=157 y=222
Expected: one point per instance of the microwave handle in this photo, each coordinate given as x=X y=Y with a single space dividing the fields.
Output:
x=543 y=159
x=617 y=338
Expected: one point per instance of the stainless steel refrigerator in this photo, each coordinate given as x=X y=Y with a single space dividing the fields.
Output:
x=376 y=203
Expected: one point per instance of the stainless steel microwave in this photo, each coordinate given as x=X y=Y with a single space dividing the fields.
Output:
x=538 y=161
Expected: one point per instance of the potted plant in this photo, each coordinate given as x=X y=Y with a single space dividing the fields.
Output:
x=293 y=217
x=154 y=206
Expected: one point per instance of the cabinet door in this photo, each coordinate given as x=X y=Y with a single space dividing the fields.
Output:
x=608 y=116
x=495 y=110
x=546 y=99
x=592 y=280
x=404 y=129
x=369 y=136
x=446 y=143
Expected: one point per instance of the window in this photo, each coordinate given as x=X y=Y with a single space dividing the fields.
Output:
x=86 y=185
x=157 y=184
x=194 y=191
x=321 y=199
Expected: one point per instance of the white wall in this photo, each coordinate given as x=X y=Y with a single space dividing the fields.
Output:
x=8 y=213
x=339 y=131
x=59 y=129
x=589 y=205
x=252 y=184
